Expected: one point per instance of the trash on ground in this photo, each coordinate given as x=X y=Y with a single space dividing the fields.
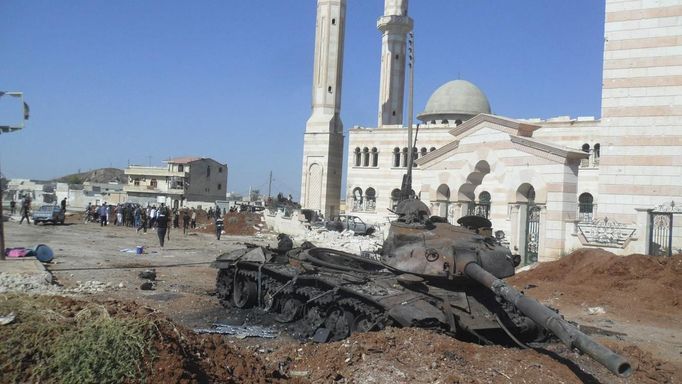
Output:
x=4 y=320
x=240 y=331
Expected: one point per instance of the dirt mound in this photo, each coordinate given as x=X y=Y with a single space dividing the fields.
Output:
x=595 y=277
x=34 y=343
x=413 y=355
x=237 y=224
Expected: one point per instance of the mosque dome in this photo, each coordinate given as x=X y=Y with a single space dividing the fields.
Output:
x=453 y=101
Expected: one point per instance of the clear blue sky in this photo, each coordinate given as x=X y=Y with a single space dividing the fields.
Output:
x=112 y=82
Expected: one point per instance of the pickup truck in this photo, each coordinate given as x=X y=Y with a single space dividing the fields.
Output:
x=51 y=213
x=342 y=223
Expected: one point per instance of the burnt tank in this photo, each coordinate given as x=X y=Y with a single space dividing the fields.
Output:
x=431 y=274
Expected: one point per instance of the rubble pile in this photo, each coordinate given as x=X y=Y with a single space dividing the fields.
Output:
x=28 y=283
x=345 y=241
x=42 y=284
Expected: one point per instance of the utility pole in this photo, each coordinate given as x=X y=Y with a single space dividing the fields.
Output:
x=7 y=129
x=270 y=185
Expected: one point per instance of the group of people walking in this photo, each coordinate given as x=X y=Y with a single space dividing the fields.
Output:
x=161 y=218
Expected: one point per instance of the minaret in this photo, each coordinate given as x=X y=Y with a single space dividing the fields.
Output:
x=323 y=139
x=394 y=26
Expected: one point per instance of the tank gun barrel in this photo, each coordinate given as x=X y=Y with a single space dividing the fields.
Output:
x=567 y=333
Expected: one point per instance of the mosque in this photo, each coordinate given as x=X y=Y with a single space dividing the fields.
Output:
x=547 y=186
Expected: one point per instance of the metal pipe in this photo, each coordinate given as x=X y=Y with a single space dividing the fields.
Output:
x=552 y=321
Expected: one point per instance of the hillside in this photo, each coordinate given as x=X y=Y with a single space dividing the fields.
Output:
x=101 y=175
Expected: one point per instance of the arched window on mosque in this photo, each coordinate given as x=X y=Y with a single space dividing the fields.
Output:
x=596 y=153
x=365 y=157
x=357 y=199
x=423 y=152
x=396 y=157
x=585 y=162
x=445 y=121
x=403 y=161
x=375 y=157
x=585 y=207
x=358 y=160
x=432 y=149
x=370 y=199
x=415 y=155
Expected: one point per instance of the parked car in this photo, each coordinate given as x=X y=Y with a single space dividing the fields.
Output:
x=342 y=223
x=51 y=213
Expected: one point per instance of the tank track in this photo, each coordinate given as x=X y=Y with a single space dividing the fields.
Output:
x=312 y=307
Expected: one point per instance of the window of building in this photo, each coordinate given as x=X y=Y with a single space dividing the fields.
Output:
x=370 y=199
x=403 y=160
x=181 y=168
x=358 y=157
x=585 y=162
x=432 y=149
x=136 y=182
x=220 y=187
x=585 y=207
x=396 y=157
x=153 y=183
x=357 y=200
x=365 y=157
x=423 y=152
x=220 y=169
x=596 y=153
x=208 y=171
x=375 y=157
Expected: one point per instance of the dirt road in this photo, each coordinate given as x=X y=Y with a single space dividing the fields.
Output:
x=89 y=261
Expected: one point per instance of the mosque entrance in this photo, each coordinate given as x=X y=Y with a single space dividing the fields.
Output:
x=529 y=211
x=532 y=233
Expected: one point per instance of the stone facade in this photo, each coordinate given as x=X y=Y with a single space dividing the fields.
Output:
x=553 y=185
x=323 y=138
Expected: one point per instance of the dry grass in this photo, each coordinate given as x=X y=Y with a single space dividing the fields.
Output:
x=49 y=342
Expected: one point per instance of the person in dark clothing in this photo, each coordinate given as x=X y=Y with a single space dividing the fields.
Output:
x=162 y=224
x=103 y=212
x=25 y=208
x=185 y=220
x=12 y=206
x=219 y=224
x=64 y=205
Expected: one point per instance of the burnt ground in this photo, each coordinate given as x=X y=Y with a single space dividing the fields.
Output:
x=639 y=296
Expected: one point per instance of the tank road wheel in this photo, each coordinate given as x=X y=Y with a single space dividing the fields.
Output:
x=290 y=311
x=362 y=323
x=224 y=287
x=339 y=323
x=245 y=292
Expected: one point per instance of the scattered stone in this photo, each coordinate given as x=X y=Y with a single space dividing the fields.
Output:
x=596 y=311
x=149 y=274
x=147 y=286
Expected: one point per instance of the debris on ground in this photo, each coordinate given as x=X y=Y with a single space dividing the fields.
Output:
x=240 y=331
x=345 y=241
x=149 y=274
x=4 y=320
